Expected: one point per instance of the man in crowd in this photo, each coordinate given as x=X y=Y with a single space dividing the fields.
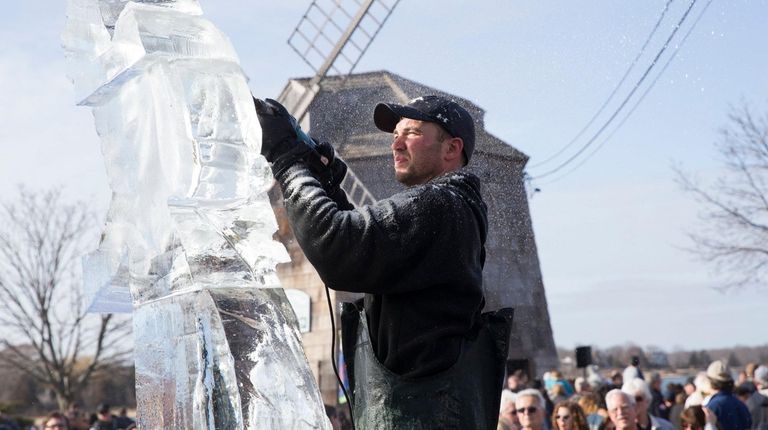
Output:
x=731 y=413
x=759 y=399
x=531 y=409
x=621 y=409
x=658 y=407
x=429 y=358
x=507 y=411
x=104 y=419
x=641 y=393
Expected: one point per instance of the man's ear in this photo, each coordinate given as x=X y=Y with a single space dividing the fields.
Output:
x=455 y=149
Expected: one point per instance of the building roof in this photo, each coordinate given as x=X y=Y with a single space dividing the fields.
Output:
x=349 y=102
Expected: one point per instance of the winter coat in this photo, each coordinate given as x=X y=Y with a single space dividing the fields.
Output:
x=417 y=255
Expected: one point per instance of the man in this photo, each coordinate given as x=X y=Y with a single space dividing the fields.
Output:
x=508 y=412
x=419 y=341
x=105 y=420
x=758 y=403
x=517 y=380
x=658 y=406
x=531 y=409
x=641 y=393
x=731 y=413
x=621 y=409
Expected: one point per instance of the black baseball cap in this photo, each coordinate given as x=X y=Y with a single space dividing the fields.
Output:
x=447 y=113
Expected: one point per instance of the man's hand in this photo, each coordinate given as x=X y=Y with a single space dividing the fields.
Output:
x=329 y=168
x=278 y=132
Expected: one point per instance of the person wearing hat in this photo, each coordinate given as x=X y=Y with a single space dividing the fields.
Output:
x=731 y=413
x=419 y=353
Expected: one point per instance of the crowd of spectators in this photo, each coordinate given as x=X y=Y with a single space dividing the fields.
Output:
x=76 y=419
x=711 y=400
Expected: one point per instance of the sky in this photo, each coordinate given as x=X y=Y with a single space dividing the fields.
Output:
x=611 y=234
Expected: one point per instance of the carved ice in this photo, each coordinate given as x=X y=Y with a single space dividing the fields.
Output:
x=187 y=246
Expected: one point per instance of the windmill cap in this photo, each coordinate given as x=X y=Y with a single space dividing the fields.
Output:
x=440 y=110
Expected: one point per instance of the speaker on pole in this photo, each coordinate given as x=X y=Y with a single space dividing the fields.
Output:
x=583 y=356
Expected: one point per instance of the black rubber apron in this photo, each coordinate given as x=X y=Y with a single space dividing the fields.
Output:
x=465 y=396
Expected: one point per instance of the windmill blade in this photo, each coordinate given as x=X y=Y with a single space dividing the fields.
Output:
x=333 y=38
x=330 y=37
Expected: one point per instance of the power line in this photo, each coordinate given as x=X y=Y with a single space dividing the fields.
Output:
x=624 y=102
x=634 y=107
x=613 y=93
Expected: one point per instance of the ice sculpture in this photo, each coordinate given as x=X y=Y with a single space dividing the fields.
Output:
x=187 y=245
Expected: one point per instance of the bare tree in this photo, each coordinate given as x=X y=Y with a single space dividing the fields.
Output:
x=46 y=332
x=734 y=228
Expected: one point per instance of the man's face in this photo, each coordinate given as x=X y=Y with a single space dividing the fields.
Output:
x=418 y=154
x=623 y=414
x=530 y=414
x=513 y=382
x=509 y=413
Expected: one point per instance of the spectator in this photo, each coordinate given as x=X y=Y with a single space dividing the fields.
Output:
x=76 y=418
x=761 y=380
x=104 y=419
x=694 y=418
x=731 y=413
x=617 y=379
x=507 y=413
x=517 y=381
x=749 y=369
x=658 y=407
x=7 y=423
x=621 y=409
x=56 y=421
x=755 y=402
x=689 y=387
x=594 y=378
x=530 y=407
x=122 y=421
x=703 y=389
x=582 y=386
x=642 y=396
x=596 y=416
x=569 y=416
x=676 y=411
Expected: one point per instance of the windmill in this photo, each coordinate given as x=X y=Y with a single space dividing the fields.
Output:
x=332 y=37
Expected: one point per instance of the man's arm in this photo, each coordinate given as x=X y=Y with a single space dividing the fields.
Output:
x=422 y=237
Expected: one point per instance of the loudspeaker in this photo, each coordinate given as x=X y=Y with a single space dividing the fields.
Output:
x=583 y=356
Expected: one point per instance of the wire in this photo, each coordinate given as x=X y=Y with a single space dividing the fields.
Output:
x=645 y=93
x=624 y=102
x=333 y=356
x=613 y=93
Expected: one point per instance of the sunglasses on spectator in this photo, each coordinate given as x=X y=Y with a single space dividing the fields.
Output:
x=562 y=417
x=530 y=409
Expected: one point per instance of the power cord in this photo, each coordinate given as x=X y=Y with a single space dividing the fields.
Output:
x=333 y=356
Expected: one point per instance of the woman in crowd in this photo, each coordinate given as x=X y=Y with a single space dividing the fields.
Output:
x=569 y=416
x=698 y=418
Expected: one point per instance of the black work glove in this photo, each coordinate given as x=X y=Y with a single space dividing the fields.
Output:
x=327 y=167
x=280 y=141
